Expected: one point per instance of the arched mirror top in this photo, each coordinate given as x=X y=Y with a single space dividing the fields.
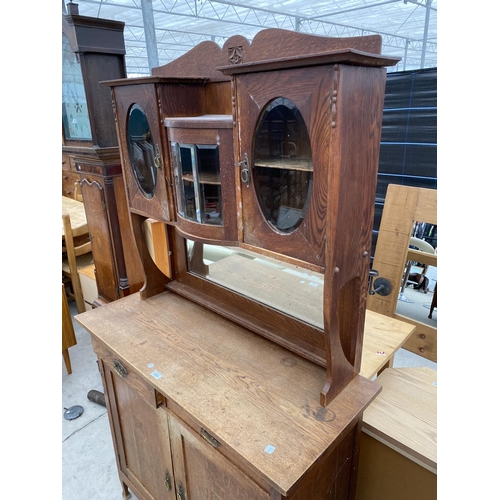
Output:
x=142 y=151
x=282 y=166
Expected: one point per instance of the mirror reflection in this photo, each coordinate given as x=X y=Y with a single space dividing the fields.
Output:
x=418 y=291
x=283 y=168
x=142 y=151
x=288 y=288
x=75 y=112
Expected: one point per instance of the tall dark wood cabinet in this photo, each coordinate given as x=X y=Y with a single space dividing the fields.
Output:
x=93 y=50
x=237 y=376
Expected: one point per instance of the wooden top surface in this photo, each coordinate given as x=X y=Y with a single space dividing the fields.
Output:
x=302 y=293
x=404 y=415
x=248 y=392
x=76 y=211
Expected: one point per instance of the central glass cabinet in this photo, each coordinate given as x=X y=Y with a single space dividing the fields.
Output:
x=202 y=162
x=197 y=182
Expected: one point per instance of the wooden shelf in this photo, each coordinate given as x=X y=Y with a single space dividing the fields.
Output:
x=203 y=179
x=301 y=164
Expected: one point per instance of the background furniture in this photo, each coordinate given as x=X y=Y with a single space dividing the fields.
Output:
x=89 y=287
x=77 y=254
x=404 y=205
x=68 y=332
x=76 y=247
x=421 y=246
x=434 y=301
x=398 y=457
x=93 y=50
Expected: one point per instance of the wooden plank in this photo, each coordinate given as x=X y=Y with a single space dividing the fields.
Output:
x=423 y=340
x=425 y=208
x=404 y=416
x=383 y=336
x=304 y=165
x=76 y=210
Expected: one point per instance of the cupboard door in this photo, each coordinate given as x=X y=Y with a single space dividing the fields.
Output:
x=203 y=172
x=283 y=147
x=141 y=148
x=141 y=433
x=202 y=473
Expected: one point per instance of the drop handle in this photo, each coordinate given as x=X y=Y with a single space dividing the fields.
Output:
x=119 y=368
x=244 y=174
x=209 y=438
x=157 y=158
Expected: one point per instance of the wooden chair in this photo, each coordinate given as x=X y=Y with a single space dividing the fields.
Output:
x=68 y=332
x=404 y=205
x=422 y=246
x=77 y=254
x=77 y=193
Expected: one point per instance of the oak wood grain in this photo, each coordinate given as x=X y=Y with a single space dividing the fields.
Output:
x=404 y=416
x=247 y=391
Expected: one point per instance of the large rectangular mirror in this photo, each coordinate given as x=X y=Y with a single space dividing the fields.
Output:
x=288 y=288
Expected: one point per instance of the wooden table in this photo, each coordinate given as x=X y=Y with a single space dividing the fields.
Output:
x=399 y=440
x=76 y=211
x=302 y=295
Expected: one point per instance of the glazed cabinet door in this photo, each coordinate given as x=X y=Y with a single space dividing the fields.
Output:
x=203 y=174
x=141 y=141
x=202 y=472
x=140 y=433
x=283 y=144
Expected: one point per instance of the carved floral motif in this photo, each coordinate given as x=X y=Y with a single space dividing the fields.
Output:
x=235 y=55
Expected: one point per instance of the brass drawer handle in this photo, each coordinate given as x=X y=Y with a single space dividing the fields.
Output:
x=209 y=438
x=119 y=368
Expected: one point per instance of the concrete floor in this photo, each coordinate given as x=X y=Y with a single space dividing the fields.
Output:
x=88 y=462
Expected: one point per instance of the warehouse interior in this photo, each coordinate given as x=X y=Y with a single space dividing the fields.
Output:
x=157 y=33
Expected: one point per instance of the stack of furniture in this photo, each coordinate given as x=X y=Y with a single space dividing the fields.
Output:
x=94 y=50
x=235 y=371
